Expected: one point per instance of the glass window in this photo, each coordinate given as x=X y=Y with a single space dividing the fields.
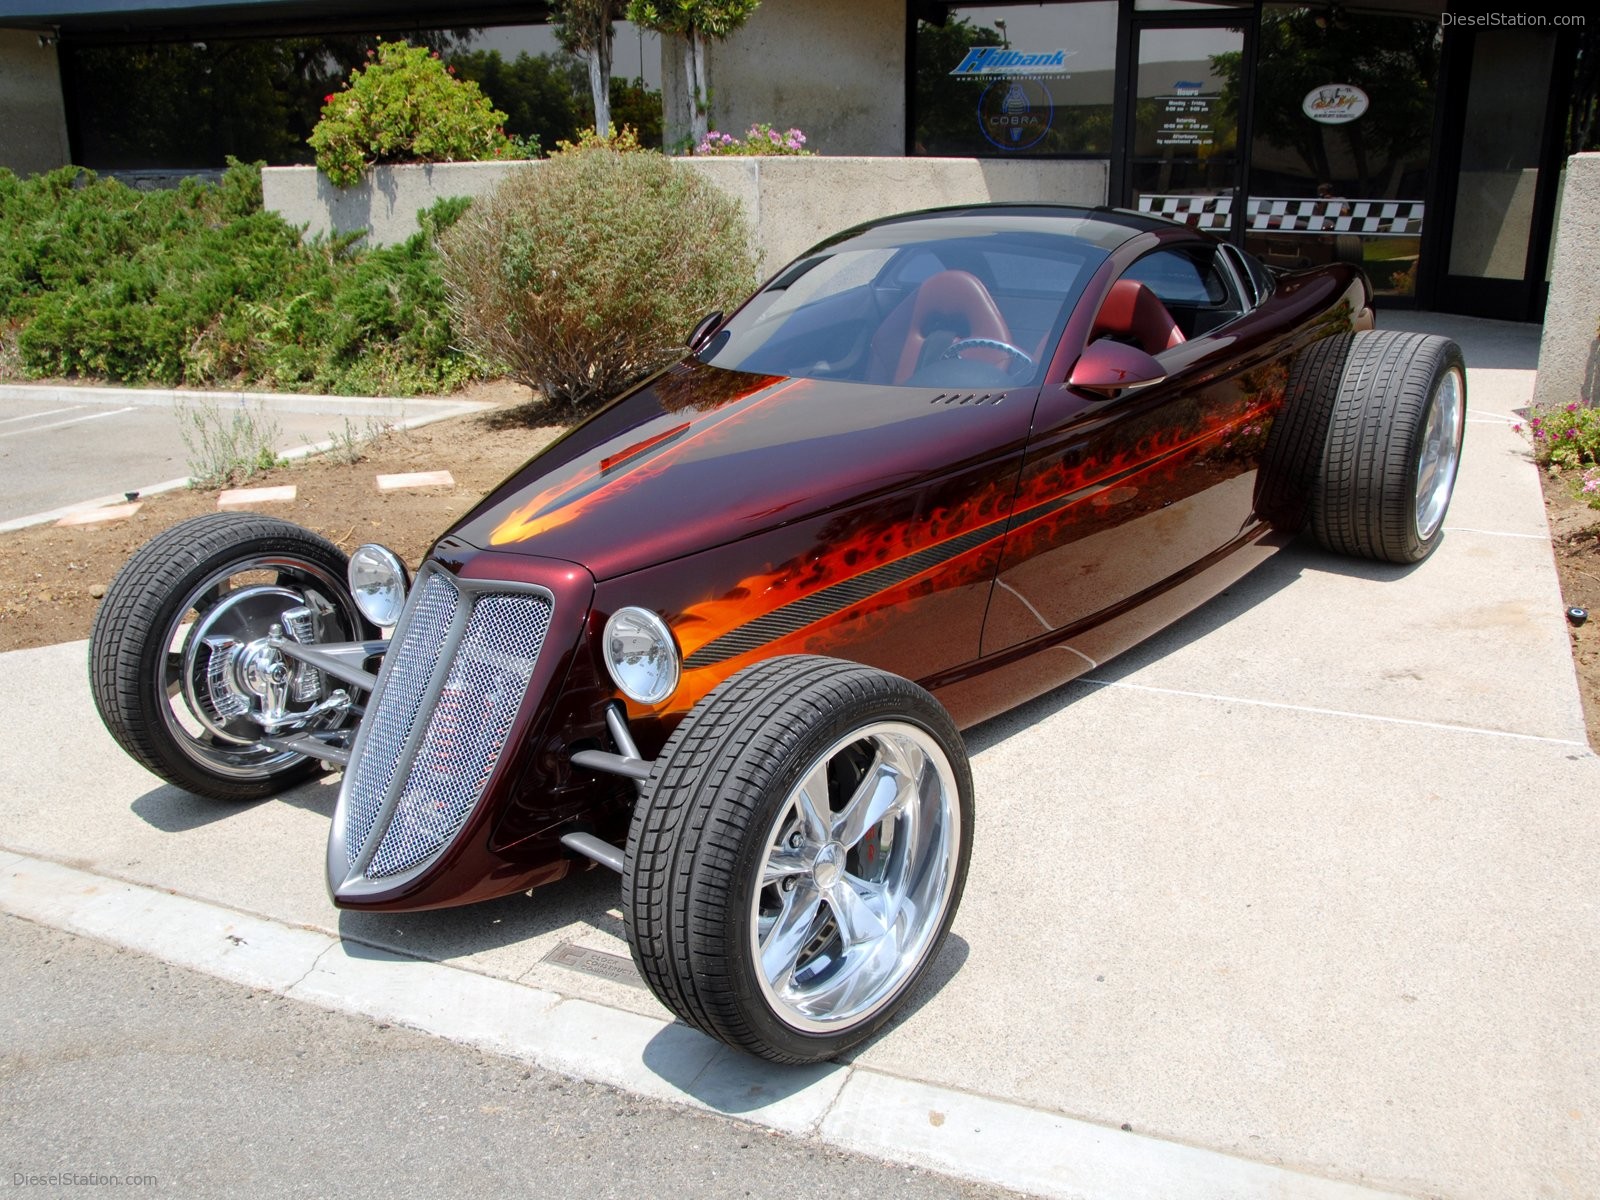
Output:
x=975 y=306
x=1193 y=285
x=1343 y=134
x=193 y=103
x=1014 y=79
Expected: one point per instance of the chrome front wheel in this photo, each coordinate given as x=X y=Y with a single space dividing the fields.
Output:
x=852 y=893
x=181 y=660
x=798 y=856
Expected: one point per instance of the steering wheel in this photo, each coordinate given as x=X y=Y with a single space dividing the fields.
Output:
x=1023 y=359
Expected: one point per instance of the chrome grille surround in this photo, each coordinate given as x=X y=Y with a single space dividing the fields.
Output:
x=450 y=689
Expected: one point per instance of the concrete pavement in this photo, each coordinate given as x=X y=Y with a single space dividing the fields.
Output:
x=1302 y=892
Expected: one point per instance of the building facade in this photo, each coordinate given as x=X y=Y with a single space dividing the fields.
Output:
x=1425 y=142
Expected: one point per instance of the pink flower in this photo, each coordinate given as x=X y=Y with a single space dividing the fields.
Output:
x=1516 y=429
x=1592 y=485
x=1572 y=408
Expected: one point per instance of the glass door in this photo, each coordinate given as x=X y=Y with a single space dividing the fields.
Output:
x=1502 y=188
x=1183 y=149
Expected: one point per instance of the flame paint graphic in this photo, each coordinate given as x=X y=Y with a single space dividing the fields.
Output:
x=1052 y=504
x=567 y=498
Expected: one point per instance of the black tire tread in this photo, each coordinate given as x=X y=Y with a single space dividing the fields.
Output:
x=1293 y=456
x=132 y=612
x=684 y=843
x=1363 y=501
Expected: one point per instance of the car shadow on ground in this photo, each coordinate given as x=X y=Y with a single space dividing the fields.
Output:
x=173 y=810
x=587 y=899
x=1283 y=569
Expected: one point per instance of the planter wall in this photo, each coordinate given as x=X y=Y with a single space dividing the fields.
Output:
x=1569 y=352
x=792 y=202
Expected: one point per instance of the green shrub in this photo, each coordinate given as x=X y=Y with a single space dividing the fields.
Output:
x=581 y=274
x=405 y=106
x=199 y=286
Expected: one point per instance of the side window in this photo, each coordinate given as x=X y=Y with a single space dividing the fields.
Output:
x=1193 y=284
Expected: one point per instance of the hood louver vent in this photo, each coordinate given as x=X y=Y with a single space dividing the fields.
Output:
x=968 y=398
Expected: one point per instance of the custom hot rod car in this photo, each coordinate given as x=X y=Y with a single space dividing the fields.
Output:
x=721 y=637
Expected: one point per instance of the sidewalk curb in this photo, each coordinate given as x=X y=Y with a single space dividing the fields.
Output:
x=846 y=1106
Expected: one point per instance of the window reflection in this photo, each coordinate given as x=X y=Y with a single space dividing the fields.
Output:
x=1014 y=80
x=191 y=104
x=1328 y=182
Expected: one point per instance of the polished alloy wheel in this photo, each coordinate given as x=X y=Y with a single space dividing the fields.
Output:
x=857 y=871
x=219 y=669
x=1441 y=454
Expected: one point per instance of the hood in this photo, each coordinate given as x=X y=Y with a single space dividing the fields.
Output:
x=699 y=456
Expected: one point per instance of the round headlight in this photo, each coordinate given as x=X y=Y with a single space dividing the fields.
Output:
x=641 y=655
x=378 y=584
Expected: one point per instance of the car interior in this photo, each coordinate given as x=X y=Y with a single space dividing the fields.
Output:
x=980 y=312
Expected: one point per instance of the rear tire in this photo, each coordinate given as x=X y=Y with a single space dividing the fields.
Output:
x=799 y=854
x=1293 y=457
x=1393 y=447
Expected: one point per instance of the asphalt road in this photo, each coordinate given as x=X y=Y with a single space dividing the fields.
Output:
x=62 y=446
x=175 y=1083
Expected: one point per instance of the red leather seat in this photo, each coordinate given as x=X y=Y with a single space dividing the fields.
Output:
x=952 y=302
x=1134 y=314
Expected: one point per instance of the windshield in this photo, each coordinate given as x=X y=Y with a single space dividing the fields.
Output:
x=935 y=303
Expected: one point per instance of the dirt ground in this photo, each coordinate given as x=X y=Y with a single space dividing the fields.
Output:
x=1575 y=538
x=51 y=577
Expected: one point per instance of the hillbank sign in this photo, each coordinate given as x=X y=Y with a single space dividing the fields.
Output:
x=1001 y=60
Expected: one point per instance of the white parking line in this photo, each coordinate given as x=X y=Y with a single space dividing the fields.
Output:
x=73 y=421
x=49 y=412
x=1332 y=712
x=1537 y=537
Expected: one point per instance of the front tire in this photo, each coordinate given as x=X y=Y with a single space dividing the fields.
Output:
x=228 y=577
x=799 y=855
x=1393 y=447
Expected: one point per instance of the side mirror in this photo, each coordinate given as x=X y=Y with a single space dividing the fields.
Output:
x=1110 y=368
x=702 y=331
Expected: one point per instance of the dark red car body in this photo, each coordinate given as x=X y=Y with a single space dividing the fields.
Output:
x=989 y=543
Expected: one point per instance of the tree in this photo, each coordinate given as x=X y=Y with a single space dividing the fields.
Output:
x=584 y=27
x=694 y=21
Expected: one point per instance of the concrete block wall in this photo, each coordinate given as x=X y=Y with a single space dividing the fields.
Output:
x=1569 y=351
x=791 y=202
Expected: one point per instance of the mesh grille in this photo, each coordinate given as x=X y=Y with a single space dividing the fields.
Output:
x=488 y=679
x=395 y=715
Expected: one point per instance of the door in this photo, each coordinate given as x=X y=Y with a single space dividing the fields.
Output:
x=1182 y=145
x=1118 y=496
x=1501 y=187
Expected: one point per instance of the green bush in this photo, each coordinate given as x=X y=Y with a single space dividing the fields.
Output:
x=200 y=286
x=585 y=272
x=405 y=106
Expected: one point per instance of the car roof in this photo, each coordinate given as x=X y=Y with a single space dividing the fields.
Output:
x=1104 y=228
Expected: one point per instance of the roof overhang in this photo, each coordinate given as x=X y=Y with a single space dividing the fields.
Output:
x=243 y=18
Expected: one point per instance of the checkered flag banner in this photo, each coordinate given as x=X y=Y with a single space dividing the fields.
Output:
x=1273 y=214
x=1203 y=212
